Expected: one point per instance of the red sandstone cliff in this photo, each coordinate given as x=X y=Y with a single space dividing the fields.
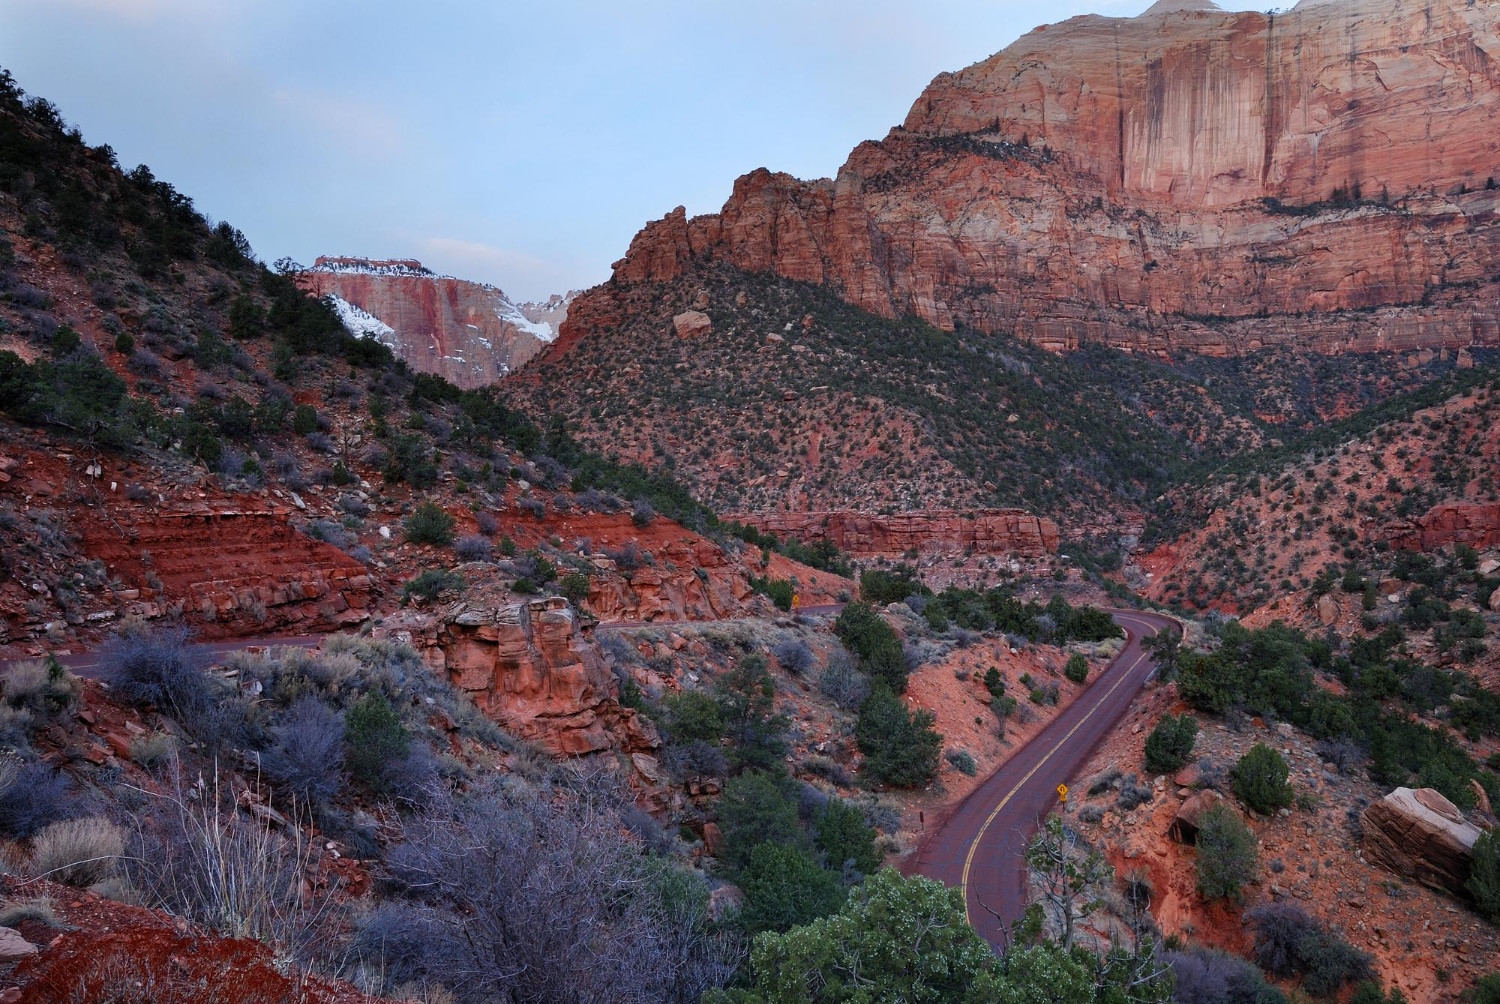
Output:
x=1103 y=180
x=867 y=535
x=1476 y=524
x=467 y=332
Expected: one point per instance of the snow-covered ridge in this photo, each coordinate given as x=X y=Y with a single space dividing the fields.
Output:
x=340 y=265
x=361 y=323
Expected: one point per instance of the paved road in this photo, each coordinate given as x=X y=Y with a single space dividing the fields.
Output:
x=979 y=847
x=88 y=663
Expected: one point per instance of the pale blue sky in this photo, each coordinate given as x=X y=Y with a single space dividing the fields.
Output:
x=519 y=144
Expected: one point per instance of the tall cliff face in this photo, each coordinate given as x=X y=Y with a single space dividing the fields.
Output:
x=1189 y=179
x=467 y=332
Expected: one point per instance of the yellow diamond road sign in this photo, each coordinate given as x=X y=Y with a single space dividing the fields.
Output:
x=1062 y=792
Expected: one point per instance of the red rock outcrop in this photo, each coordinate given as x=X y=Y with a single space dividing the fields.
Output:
x=230 y=572
x=1476 y=524
x=1187 y=180
x=467 y=332
x=1422 y=835
x=872 y=535
x=529 y=667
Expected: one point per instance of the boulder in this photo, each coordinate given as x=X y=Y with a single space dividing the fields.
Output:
x=692 y=324
x=13 y=947
x=1184 y=828
x=1328 y=610
x=1189 y=777
x=1421 y=835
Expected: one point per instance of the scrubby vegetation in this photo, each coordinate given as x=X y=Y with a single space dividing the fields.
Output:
x=1271 y=671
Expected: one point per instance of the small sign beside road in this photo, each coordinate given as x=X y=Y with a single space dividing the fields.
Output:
x=1062 y=793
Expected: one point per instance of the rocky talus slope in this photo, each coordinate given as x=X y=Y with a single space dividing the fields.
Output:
x=1187 y=180
x=469 y=333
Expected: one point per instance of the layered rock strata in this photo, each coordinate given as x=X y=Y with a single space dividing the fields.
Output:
x=1420 y=834
x=1187 y=180
x=930 y=532
x=230 y=571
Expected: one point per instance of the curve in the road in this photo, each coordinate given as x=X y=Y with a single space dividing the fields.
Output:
x=980 y=846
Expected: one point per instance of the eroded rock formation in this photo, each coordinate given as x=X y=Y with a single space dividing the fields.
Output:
x=1190 y=179
x=1420 y=834
x=469 y=333
x=529 y=667
x=229 y=572
x=1476 y=524
x=871 y=535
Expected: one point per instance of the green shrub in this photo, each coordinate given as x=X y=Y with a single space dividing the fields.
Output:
x=575 y=586
x=1077 y=668
x=993 y=682
x=785 y=888
x=431 y=583
x=124 y=344
x=755 y=810
x=429 y=523
x=779 y=590
x=1484 y=875
x=1170 y=744
x=304 y=419
x=1227 y=857
x=375 y=739
x=865 y=633
x=880 y=587
x=693 y=715
x=1259 y=780
x=1486 y=990
x=844 y=837
x=900 y=747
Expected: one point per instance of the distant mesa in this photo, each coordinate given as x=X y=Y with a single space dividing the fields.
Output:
x=469 y=333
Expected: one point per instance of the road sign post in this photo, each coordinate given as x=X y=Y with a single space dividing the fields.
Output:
x=1062 y=793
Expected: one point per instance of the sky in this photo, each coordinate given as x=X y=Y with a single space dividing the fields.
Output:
x=517 y=144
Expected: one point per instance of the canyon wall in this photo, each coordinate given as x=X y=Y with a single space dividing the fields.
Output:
x=930 y=532
x=469 y=333
x=1187 y=180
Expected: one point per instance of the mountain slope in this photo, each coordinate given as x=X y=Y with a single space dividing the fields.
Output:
x=794 y=399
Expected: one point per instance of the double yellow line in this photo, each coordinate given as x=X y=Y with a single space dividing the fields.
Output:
x=963 y=882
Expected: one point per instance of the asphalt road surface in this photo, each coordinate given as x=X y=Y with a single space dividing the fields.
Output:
x=979 y=847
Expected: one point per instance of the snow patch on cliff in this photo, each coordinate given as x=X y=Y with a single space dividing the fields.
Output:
x=511 y=314
x=361 y=323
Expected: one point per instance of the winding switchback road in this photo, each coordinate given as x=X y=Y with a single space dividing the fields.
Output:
x=980 y=847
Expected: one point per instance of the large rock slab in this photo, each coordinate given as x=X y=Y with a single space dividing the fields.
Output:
x=1421 y=835
x=1185 y=824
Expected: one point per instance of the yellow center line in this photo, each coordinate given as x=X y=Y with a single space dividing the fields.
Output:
x=963 y=882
